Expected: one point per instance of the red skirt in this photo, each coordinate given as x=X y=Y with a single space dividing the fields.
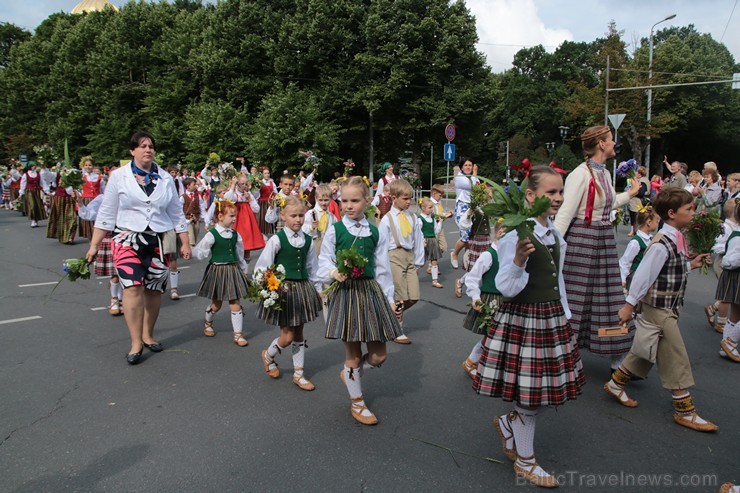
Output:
x=248 y=228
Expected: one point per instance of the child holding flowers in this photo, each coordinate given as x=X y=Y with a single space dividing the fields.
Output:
x=647 y=224
x=299 y=301
x=658 y=286
x=62 y=223
x=361 y=300
x=529 y=355
x=224 y=278
x=728 y=291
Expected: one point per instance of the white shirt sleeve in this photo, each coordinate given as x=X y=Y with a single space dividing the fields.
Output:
x=327 y=256
x=90 y=211
x=573 y=193
x=510 y=279
x=419 y=257
x=203 y=210
x=240 y=252
x=306 y=182
x=267 y=257
x=647 y=272
x=202 y=251
x=383 y=269
x=625 y=263
x=731 y=259
x=24 y=182
x=378 y=193
x=312 y=268
x=272 y=214
x=474 y=278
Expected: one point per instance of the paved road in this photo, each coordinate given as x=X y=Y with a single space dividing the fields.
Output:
x=203 y=416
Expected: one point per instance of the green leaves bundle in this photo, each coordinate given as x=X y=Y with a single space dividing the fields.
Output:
x=511 y=205
x=70 y=177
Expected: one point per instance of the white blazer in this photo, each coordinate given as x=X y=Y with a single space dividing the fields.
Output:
x=125 y=205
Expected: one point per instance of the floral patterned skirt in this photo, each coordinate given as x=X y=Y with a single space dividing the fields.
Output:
x=139 y=261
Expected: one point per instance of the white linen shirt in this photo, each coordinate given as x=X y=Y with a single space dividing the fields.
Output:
x=633 y=248
x=202 y=250
x=314 y=215
x=474 y=278
x=297 y=240
x=413 y=242
x=731 y=260
x=127 y=206
x=328 y=256
x=437 y=223
x=721 y=242
x=512 y=279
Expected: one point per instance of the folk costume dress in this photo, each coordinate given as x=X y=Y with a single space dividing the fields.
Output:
x=728 y=286
x=266 y=191
x=359 y=309
x=104 y=259
x=300 y=302
x=430 y=228
x=139 y=207
x=480 y=237
x=62 y=223
x=632 y=256
x=246 y=221
x=529 y=355
x=381 y=201
x=224 y=277
x=591 y=267
x=480 y=284
x=31 y=187
x=92 y=186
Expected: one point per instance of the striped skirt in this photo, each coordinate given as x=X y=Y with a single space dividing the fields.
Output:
x=477 y=245
x=472 y=319
x=591 y=274
x=266 y=228
x=223 y=282
x=104 y=259
x=728 y=287
x=530 y=356
x=431 y=250
x=62 y=219
x=359 y=312
x=300 y=304
x=85 y=228
x=34 y=205
x=6 y=195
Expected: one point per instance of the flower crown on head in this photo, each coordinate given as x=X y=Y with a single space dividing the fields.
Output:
x=220 y=204
x=645 y=209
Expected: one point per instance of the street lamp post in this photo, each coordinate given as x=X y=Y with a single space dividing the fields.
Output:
x=563 y=134
x=550 y=146
x=650 y=92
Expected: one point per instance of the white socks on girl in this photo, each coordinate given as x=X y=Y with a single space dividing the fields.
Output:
x=237 y=321
x=476 y=353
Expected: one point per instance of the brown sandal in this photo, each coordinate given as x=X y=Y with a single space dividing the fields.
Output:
x=208 y=329
x=470 y=368
x=628 y=403
x=273 y=372
x=358 y=409
x=691 y=422
x=528 y=474
x=510 y=453
x=239 y=339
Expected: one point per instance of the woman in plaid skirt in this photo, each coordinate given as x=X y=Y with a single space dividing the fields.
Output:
x=529 y=355
x=299 y=302
x=591 y=268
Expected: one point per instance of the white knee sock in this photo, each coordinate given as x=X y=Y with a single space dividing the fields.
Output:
x=435 y=272
x=732 y=331
x=237 y=321
x=352 y=381
x=299 y=355
x=476 y=353
x=210 y=314
x=274 y=348
x=115 y=290
x=173 y=279
x=523 y=427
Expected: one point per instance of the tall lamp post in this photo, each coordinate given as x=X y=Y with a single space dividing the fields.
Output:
x=563 y=134
x=550 y=146
x=650 y=92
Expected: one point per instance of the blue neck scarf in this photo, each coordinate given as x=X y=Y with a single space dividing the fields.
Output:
x=596 y=166
x=148 y=177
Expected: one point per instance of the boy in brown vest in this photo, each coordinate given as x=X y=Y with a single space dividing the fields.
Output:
x=194 y=208
x=657 y=290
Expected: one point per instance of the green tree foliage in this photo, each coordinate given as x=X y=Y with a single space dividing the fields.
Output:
x=10 y=35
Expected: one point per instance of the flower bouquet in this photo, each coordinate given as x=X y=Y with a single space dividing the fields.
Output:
x=349 y=167
x=511 y=205
x=276 y=200
x=70 y=177
x=627 y=169
x=370 y=212
x=312 y=160
x=702 y=233
x=487 y=311
x=618 y=218
x=255 y=182
x=350 y=263
x=412 y=178
x=266 y=286
x=46 y=154
x=226 y=170
x=74 y=268
x=213 y=159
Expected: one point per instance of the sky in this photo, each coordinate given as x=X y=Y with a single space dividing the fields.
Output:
x=506 y=26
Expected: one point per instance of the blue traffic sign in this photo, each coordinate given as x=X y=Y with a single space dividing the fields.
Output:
x=449 y=152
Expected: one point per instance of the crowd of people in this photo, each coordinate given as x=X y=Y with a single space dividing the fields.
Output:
x=537 y=299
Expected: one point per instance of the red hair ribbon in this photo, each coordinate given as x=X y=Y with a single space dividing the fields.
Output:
x=554 y=166
x=524 y=167
x=590 y=201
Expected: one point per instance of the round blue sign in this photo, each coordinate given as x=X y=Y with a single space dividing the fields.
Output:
x=450 y=132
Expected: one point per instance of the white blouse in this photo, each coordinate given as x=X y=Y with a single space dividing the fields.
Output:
x=463 y=186
x=202 y=250
x=297 y=240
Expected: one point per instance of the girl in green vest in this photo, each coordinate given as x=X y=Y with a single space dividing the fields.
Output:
x=430 y=228
x=299 y=302
x=361 y=307
x=530 y=355
x=647 y=224
x=728 y=291
x=224 y=278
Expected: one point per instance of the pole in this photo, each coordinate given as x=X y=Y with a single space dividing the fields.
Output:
x=614 y=172
x=370 y=150
x=606 y=97
x=649 y=104
x=431 y=167
x=508 y=168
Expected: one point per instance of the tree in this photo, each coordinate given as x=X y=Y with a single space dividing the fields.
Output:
x=10 y=35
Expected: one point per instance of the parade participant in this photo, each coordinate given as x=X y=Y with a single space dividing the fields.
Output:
x=591 y=268
x=62 y=222
x=92 y=186
x=174 y=172
x=720 y=308
x=480 y=286
x=464 y=182
x=300 y=302
x=30 y=190
x=225 y=276
x=400 y=230
x=218 y=195
x=529 y=356
x=728 y=291
x=430 y=227
x=272 y=216
x=319 y=218
x=267 y=190
x=646 y=223
x=479 y=239
x=360 y=309
x=658 y=286
x=246 y=221
x=384 y=205
x=212 y=180
x=194 y=209
x=636 y=203
x=16 y=175
x=141 y=203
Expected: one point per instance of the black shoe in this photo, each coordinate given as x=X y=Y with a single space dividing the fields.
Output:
x=134 y=358
x=155 y=347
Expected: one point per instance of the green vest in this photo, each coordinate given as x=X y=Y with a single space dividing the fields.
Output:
x=291 y=258
x=542 y=268
x=427 y=227
x=640 y=254
x=365 y=246
x=224 y=249
x=488 y=284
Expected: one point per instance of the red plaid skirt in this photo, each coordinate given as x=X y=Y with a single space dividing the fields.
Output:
x=104 y=258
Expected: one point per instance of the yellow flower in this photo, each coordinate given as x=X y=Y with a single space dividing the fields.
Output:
x=500 y=220
x=273 y=283
x=367 y=181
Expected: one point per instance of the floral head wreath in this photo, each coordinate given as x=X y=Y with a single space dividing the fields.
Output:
x=220 y=204
x=645 y=209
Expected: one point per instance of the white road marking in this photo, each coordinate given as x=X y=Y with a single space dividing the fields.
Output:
x=37 y=284
x=13 y=320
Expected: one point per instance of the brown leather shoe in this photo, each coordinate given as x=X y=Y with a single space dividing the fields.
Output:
x=208 y=329
x=239 y=339
x=470 y=368
x=529 y=475
x=402 y=339
x=458 y=289
x=267 y=362
x=303 y=383
x=628 y=403
x=689 y=421
x=358 y=411
x=510 y=453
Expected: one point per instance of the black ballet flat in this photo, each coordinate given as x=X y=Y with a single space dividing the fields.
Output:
x=134 y=358
x=155 y=348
